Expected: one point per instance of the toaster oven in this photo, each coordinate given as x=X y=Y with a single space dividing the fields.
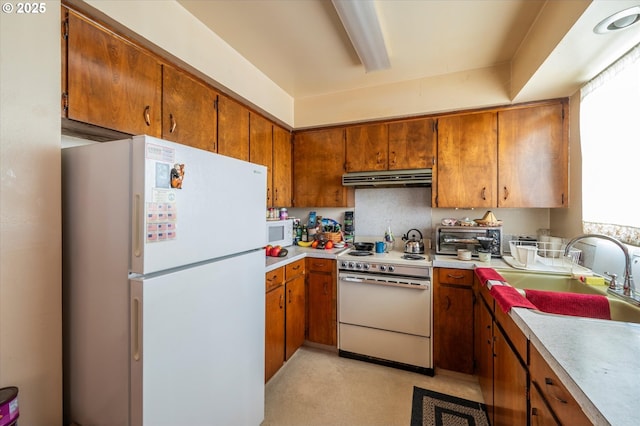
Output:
x=451 y=238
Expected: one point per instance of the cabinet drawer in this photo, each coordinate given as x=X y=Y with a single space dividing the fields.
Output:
x=294 y=269
x=320 y=265
x=553 y=391
x=274 y=278
x=455 y=276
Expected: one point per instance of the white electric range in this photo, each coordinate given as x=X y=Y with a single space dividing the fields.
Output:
x=385 y=309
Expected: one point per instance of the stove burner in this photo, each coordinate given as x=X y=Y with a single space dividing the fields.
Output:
x=412 y=257
x=360 y=253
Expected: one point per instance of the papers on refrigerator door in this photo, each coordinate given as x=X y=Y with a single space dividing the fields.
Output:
x=162 y=219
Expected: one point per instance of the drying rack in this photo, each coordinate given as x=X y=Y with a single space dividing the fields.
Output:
x=545 y=256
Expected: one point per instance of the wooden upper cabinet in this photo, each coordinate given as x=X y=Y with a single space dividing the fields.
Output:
x=367 y=148
x=533 y=156
x=233 y=129
x=188 y=110
x=466 y=174
x=282 y=165
x=110 y=82
x=261 y=148
x=318 y=166
x=412 y=144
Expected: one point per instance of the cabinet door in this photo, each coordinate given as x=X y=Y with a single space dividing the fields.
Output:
x=318 y=166
x=484 y=353
x=233 y=129
x=295 y=315
x=539 y=413
x=274 y=332
x=367 y=148
x=453 y=328
x=510 y=384
x=466 y=173
x=321 y=308
x=412 y=144
x=261 y=148
x=281 y=168
x=189 y=113
x=533 y=157
x=110 y=82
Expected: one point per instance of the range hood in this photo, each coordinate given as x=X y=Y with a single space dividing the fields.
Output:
x=388 y=178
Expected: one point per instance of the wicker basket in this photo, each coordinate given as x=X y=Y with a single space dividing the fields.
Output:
x=336 y=237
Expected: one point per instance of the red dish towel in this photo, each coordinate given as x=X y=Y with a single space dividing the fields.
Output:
x=485 y=274
x=575 y=304
x=508 y=297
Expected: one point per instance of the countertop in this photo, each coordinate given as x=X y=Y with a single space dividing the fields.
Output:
x=297 y=252
x=598 y=361
x=448 y=261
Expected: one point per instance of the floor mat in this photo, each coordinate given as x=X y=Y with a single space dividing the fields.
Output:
x=431 y=408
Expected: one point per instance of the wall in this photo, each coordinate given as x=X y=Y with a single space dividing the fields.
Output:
x=407 y=208
x=30 y=243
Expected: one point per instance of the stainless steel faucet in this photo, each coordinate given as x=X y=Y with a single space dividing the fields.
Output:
x=628 y=288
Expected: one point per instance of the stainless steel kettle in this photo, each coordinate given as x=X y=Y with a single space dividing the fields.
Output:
x=412 y=245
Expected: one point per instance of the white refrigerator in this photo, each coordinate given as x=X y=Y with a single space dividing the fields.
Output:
x=163 y=285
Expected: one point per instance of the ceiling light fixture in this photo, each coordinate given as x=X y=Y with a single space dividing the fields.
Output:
x=618 y=21
x=360 y=20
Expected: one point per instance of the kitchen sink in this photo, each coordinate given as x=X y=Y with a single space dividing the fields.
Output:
x=550 y=282
x=620 y=309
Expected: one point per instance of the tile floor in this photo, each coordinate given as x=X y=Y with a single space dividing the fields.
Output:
x=317 y=387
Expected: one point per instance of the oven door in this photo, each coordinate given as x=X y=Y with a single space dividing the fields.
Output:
x=385 y=318
x=385 y=302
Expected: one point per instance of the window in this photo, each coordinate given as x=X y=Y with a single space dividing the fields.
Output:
x=610 y=139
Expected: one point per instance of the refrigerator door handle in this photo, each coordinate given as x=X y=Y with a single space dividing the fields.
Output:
x=136 y=329
x=137 y=225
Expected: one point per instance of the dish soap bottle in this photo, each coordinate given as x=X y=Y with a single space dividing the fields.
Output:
x=388 y=236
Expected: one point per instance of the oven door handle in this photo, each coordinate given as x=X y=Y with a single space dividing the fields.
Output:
x=380 y=282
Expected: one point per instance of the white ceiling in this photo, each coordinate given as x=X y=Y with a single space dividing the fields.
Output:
x=302 y=46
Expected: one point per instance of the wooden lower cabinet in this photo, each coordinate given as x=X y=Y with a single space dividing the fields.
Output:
x=501 y=369
x=453 y=319
x=321 y=301
x=483 y=341
x=559 y=401
x=509 y=383
x=274 y=332
x=284 y=315
x=539 y=413
x=295 y=307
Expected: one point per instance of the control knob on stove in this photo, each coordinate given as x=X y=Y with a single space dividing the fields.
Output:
x=343 y=264
x=391 y=268
x=352 y=265
x=366 y=266
x=383 y=268
x=359 y=265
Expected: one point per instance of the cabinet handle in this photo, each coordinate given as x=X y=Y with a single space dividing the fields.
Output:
x=325 y=288
x=448 y=300
x=276 y=197
x=455 y=277
x=173 y=123
x=147 y=116
x=281 y=300
x=289 y=295
x=506 y=193
x=484 y=193
x=295 y=268
x=393 y=161
x=548 y=382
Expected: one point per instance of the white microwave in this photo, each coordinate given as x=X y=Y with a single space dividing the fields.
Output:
x=280 y=232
